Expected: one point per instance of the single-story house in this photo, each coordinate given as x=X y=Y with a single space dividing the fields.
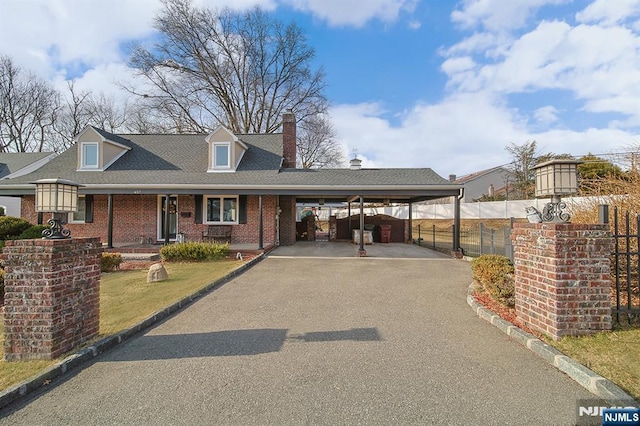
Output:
x=15 y=164
x=165 y=187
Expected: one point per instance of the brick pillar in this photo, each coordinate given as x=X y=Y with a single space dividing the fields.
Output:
x=287 y=206
x=562 y=277
x=52 y=296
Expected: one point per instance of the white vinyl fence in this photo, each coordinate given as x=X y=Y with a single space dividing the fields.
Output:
x=483 y=210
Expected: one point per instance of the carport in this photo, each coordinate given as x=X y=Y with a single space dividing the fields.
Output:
x=357 y=187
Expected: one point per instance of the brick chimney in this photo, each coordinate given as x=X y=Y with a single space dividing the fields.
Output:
x=289 y=140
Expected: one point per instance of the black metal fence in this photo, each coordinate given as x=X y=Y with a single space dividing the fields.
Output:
x=625 y=268
x=474 y=241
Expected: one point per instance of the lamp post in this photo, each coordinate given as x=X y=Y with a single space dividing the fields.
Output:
x=57 y=196
x=553 y=179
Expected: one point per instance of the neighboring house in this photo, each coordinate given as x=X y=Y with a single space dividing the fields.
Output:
x=15 y=164
x=490 y=183
x=137 y=187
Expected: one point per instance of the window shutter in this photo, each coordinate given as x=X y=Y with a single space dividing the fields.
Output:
x=40 y=218
x=197 y=215
x=242 y=209
x=88 y=209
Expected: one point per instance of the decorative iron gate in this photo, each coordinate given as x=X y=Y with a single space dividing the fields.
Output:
x=626 y=268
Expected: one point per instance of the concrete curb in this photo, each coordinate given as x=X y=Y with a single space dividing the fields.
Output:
x=588 y=379
x=72 y=362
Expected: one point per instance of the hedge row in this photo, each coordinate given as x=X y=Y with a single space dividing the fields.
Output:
x=193 y=251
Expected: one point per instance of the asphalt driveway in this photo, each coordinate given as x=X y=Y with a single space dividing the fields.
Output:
x=319 y=340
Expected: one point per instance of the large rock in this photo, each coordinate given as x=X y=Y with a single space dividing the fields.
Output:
x=157 y=273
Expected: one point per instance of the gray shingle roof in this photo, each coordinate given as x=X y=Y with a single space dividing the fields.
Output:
x=173 y=160
x=11 y=162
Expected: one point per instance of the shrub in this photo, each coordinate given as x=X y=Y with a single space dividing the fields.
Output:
x=193 y=251
x=495 y=274
x=31 y=233
x=110 y=262
x=12 y=226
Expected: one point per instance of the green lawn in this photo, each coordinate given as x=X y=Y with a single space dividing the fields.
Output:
x=614 y=355
x=126 y=299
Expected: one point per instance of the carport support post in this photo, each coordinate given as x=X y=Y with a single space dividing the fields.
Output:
x=410 y=222
x=110 y=221
x=260 y=225
x=349 y=216
x=456 y=228
x=361 y=251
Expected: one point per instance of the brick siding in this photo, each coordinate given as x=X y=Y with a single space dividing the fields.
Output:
x=562 y=277
x=52 y=296
x=135 y=219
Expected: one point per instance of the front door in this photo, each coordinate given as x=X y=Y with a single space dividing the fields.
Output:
x=173 y=217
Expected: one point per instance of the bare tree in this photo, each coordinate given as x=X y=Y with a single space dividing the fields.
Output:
x=242 y=70
x=74 y=114
x=108 y=115
x=28 y=107
x=317 y=144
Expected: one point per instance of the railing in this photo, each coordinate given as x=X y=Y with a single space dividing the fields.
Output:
x=626 y=266
x=473 y=241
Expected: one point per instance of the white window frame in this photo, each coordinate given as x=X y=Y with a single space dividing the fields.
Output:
x=72 y=216
x=214 y=156
x=221 y=198
x=83 y=157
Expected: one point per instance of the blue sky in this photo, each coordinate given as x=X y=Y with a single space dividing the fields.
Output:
x=412 y=83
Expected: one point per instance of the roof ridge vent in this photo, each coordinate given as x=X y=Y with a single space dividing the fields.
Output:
x=355 y=163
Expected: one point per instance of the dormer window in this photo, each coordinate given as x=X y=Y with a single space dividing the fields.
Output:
x=89 y=155
x=225 y=151
x=97 y=149
x=221 y=156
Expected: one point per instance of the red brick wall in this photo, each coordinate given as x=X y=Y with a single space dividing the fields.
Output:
x=52 y=296
x=135 y=218
x=562 y=277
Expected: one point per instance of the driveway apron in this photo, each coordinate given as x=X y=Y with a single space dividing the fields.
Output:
x=318 y=341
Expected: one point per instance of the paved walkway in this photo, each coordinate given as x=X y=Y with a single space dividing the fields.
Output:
x=319 y=341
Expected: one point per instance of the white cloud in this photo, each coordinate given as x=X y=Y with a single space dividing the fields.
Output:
x=461 y=134
x=546 y=115
x=457 y=65
x=72 y=33
x=354 y=12
x=597 y=64
x=496 y=15
x=607 y=12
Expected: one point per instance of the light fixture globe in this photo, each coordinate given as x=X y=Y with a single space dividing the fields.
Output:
x=57 y=196
x=554 y=179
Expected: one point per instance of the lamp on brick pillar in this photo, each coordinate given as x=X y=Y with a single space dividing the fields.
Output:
x=57 y=196
x=556 y=178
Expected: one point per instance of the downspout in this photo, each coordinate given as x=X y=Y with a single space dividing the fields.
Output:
x=457 y=250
